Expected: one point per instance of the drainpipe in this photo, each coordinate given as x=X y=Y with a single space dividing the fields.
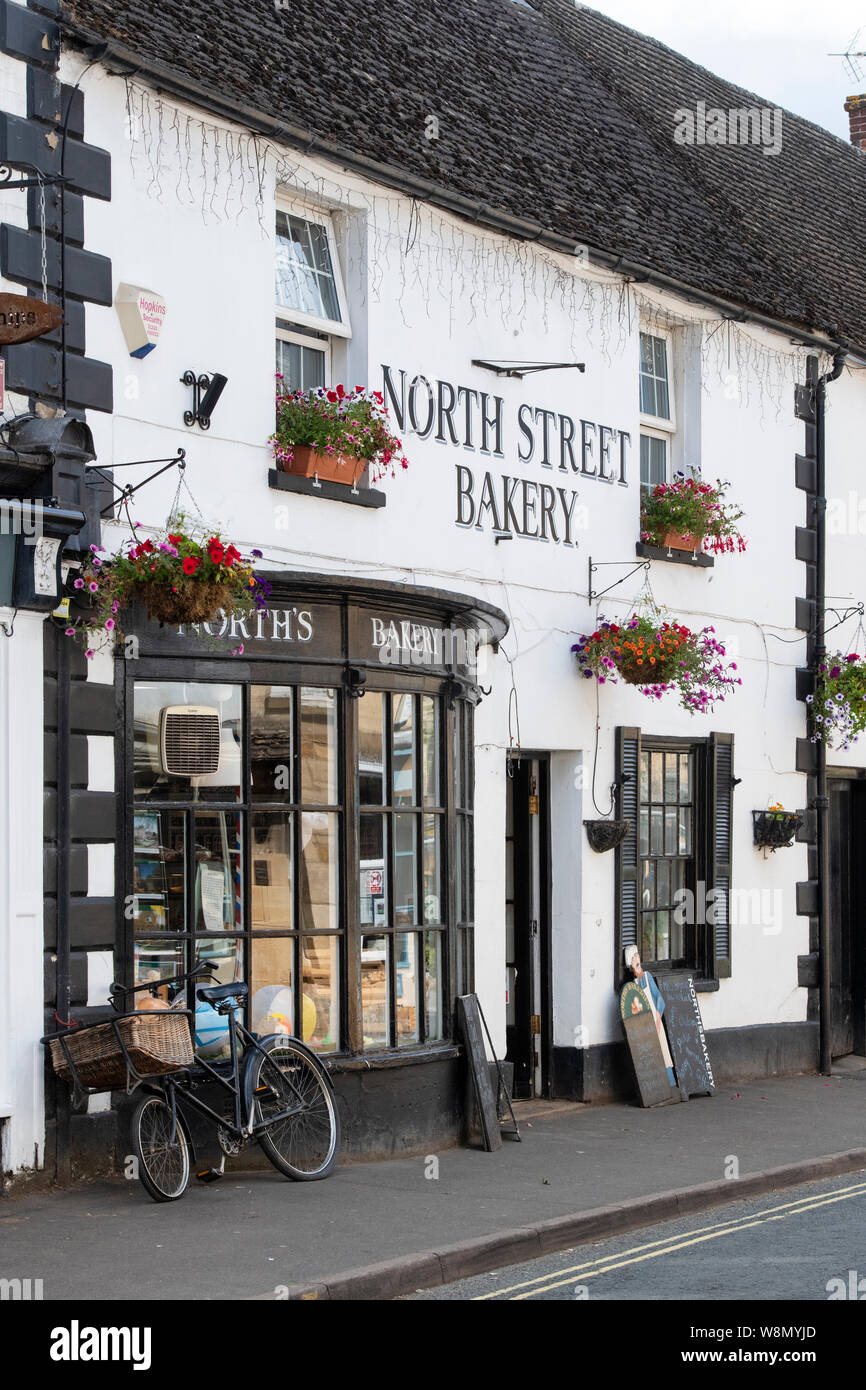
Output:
x=822 y=801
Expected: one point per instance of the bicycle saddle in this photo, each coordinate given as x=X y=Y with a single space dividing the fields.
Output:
x=214 y=994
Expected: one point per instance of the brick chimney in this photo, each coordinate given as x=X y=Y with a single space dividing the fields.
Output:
x=856 y=108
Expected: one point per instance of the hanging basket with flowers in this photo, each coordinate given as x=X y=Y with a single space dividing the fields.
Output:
x=689 y=514
x=660 y=658
x=839 y=702
x=335 y=434
x=180 y=577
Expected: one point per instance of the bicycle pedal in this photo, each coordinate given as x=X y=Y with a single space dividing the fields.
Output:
x=209 y=1174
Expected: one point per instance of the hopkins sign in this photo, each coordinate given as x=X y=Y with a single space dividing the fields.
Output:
x=473 y=420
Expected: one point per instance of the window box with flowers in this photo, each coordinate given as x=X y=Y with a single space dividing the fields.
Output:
x=692 y=516
x=179 y=577
x=660 y=658
x=335 y=436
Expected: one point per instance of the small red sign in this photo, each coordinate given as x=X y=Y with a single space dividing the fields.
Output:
x=374 y=882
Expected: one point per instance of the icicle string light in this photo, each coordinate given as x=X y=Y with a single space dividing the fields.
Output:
x=459 y=273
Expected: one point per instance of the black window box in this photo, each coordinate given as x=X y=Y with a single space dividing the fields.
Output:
x=334 y=492
x=676 y=557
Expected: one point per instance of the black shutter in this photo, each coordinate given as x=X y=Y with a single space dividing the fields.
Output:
x=627 y=795
x=720 y=800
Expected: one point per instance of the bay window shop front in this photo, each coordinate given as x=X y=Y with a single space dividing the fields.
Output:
x=299 y=813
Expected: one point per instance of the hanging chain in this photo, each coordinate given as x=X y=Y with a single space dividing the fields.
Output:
x=43 y=239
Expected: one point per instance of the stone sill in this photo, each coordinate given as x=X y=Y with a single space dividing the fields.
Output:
x=383 y=1060
x=674 y=557
x=334 y=492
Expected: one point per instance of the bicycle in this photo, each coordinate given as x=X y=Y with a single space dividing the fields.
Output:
x=281 y=1095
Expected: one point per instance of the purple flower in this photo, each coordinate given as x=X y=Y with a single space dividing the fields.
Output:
x=79 y=584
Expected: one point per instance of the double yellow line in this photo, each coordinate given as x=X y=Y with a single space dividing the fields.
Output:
x=651 y=1250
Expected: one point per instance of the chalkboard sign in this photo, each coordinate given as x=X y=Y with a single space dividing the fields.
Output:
x=649 y=1064
x=469 y=1019
x=685 y=1030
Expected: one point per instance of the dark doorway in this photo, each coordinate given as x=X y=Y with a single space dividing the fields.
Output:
x=527 y=925
x=847 y=916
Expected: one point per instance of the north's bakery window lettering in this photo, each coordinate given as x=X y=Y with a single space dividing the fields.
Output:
x=242 y=841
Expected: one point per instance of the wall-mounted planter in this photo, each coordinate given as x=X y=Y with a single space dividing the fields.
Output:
x=775 y=829
x=606 y=834
x=690 y=544
x=331 y=468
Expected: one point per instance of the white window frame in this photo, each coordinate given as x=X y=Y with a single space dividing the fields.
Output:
x=341 y=329
x=665 y=424
x=323 y=345
x=658 y=426
x=652 y=433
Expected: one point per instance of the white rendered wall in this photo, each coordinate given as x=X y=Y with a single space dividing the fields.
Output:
x=431 y=309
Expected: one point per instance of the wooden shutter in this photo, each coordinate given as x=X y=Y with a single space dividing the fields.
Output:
x=720 y=802
x=627 y=794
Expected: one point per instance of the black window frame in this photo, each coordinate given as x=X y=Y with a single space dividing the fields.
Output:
x=297 y=674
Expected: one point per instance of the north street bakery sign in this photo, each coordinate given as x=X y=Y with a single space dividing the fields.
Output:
x=537 y=508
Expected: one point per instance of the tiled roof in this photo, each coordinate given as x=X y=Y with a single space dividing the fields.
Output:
x=546 y=111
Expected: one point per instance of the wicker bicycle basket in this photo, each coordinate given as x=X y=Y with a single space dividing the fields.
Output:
x=156 y=1043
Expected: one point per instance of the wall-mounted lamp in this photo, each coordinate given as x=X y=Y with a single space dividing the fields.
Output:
x=206 y=391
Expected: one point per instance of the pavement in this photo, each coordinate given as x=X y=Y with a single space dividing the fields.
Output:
x=386 y=1229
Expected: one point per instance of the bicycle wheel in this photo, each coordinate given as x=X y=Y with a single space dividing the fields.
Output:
x=303 y=1145
x=163 y=1167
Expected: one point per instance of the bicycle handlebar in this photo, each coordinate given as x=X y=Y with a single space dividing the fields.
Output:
x=116 y=988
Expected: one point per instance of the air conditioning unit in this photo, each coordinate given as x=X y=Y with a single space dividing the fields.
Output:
x=189 y=740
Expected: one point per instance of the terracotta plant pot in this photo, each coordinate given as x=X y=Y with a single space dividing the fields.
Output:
x=674 y=541
x=330 y=468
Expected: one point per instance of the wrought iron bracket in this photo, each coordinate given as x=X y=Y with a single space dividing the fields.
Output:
x=592 y=566
x=129 y=489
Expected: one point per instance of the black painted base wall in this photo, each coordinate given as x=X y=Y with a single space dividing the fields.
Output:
x=605 y=1073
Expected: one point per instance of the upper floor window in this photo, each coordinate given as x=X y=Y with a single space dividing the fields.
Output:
x=656 y=409
x=310 y=299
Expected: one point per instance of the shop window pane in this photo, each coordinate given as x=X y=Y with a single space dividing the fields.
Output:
x=405 y=869
x=685 y=836
x=459 y=759
x=406 y=987
x=643 y=830
x=218 y=885
x=671 y=780
x=644 y=776
x=225 y=957
x=468 y=867
x=371 y=749
x=433 y=984
x=656 y=771
x=468 y=755
x=374 y=991
x=430 y=750
x=318 y=746
x=157 y=960
x=460 y=876
x=647 y=936
x=271 y=870
x=403 y=733
x=685 y=777
x=187 y=741
x=465 y=961
x=657 y=830
x=663 y=883
x=663 y=936
x=671 y=831
x=271 y=755
x=677 y=948
x=374 y=872
x=318 y=873
x=648 y=890
x=159 y=879
x=272 y=973
x=432 y=880
x=320 y=997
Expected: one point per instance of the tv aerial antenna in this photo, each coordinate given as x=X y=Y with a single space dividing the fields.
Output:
x=851 y=57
